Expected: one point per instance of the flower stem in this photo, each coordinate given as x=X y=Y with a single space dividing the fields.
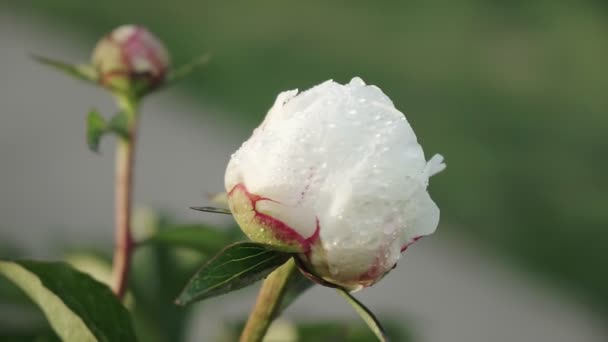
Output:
x=268 y=302
x=125 y=160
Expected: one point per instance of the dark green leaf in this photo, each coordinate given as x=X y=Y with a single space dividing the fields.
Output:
x=119 y=124
x=298 y=284
x=84 y=72
x=184 y=70
x=28 y=335
x=199 y=237
x=367 y=316
x=213 y=210
x=235 y=267
x=78 y=307
x=96 y=128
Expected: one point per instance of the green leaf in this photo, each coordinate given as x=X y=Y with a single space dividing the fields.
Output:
x=298 y=284
x=30 y=334
x=98 y=267
x=96 y=128
x=119 y=125
x=83 y=72
x=367 y=316
x=78 y=307
x=184 y=70
x=195 y=236
x=236 y=266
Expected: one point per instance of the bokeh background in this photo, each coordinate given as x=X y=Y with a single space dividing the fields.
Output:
x=513 y=94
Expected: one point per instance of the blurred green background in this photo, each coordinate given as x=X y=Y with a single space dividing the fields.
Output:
x=513 y=94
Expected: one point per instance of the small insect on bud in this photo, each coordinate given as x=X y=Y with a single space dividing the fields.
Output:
x=131 y=59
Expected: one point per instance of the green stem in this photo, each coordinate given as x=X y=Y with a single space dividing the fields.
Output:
x=268 y=302
x=125 y=160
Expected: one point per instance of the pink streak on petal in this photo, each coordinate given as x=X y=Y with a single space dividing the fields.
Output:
x=280 y=229
x=411 y=242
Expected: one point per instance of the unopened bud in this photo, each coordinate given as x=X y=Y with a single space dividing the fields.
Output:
x=336 y=175
x=131 y=59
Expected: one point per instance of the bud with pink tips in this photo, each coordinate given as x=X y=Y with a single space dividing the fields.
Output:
x=131 y=59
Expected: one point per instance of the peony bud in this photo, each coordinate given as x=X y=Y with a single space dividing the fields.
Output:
x=336 y=175
x=131 y=59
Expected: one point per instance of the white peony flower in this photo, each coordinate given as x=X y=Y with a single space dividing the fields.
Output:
x=336 y=174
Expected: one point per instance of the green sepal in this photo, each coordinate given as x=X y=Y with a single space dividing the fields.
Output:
x=85 y=72
x=185 y=70
x=368 y=317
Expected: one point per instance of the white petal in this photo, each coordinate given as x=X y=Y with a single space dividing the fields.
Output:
x=342 y=154
x=420 y=215
x=435 y=165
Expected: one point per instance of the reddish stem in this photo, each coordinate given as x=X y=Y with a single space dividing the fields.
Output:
x=125 y=160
